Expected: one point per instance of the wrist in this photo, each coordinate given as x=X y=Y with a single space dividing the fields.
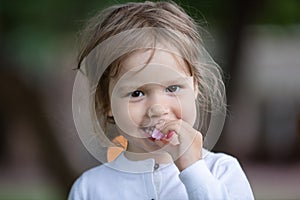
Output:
x=182 y=163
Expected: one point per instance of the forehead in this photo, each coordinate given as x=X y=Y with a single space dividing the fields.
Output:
x=151 y=68
x=155 y=56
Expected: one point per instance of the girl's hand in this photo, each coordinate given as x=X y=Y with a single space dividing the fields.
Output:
x=189 y=149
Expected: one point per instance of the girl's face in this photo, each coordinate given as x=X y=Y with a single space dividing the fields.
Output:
x=152 y=88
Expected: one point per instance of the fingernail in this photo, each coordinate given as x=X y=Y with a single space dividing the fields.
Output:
x=170 y=134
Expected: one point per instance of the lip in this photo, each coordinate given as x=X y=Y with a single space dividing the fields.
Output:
x=150 y=128
x=154 y=134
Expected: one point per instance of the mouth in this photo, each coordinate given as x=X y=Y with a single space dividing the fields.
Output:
x=153 y=133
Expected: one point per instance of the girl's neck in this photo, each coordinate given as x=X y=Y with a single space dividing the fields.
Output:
x=159 y=157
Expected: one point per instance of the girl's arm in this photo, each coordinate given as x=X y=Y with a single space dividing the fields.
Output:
x=212 y=176
x=218 y=176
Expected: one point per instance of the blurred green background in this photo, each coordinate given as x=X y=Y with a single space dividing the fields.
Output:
x=257 y=43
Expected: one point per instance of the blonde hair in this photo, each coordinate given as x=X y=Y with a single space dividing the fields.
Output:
x=165 y=23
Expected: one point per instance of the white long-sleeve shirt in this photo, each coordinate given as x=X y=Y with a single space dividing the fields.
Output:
x=216 y=176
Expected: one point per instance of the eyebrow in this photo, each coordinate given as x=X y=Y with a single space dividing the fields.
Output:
x=130 y=86
x=176 y=81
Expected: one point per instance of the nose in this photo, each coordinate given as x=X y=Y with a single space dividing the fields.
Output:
x=157 y=110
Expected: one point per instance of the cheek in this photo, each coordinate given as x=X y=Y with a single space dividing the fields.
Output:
x=136 y=111
x=127 y=116
x=121 y=115
x=189 y=113
x=188 y=109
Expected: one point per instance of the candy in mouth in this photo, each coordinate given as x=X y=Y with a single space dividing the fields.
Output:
x=156 y=135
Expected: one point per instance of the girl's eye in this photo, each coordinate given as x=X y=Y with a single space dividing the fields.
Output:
x=173 y=88
x=136 y=93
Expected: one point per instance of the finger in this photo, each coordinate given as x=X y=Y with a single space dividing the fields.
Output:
x=174 y=140
x=180 y=128
x=170 y=134
x=174 y=125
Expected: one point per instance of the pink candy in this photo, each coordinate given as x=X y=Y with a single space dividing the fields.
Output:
x=157 y=135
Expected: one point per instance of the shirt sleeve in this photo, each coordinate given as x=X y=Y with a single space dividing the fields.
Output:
x=225 y=180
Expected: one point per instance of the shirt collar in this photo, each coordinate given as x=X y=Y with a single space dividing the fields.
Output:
x=123 y=164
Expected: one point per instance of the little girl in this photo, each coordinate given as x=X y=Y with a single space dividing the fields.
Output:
x=145 y=75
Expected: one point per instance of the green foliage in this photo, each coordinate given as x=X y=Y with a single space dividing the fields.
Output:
x=32 y=192
x=30 y=28
x=281 y=12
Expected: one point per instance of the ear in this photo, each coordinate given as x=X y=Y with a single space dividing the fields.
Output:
x=110 y=117
x=109 y=113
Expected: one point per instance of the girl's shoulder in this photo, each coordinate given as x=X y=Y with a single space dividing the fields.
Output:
x=216 y=156
x=94 y=181
x=96 y=172
x=217 y=161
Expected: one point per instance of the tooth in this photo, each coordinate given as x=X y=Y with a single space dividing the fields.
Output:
x=148 y=131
